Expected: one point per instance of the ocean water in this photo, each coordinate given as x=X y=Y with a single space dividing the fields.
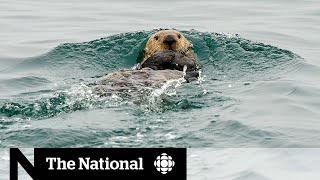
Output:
x=260 y=85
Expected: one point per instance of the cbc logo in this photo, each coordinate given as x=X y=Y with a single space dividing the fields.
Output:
x=164 y=163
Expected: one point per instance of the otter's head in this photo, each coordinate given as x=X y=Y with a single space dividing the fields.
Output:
x=168 y=40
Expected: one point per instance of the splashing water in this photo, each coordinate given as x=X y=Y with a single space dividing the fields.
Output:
x=169 y=87
x=215 y=119
x=200 y=80
x=78 y=97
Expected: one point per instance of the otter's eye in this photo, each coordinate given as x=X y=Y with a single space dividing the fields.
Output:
x=156 y=38
x=179 y=36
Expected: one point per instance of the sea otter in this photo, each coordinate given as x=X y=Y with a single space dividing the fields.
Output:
x=166 y=54
x=169 y=49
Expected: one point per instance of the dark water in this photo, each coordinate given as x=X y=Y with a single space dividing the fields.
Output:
x=46 y=101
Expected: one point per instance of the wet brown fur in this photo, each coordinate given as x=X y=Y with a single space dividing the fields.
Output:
x=156 y=44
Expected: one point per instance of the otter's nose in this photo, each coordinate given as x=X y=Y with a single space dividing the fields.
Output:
x=169 y=40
